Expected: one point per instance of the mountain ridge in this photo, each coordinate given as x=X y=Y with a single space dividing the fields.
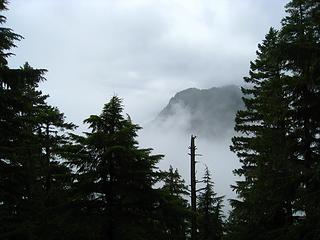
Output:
x=206 y=112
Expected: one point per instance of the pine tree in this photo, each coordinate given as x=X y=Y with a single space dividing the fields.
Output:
x=7 y=38
x=54 y=178
x=174 y=210
x=267 y=190
x=279 y=145
x=30 y=144
x=301 y=42
x=210 y=215
x=28 y=163
x=115 y=178
x=18 y=95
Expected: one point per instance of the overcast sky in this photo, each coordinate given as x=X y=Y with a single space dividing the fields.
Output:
x=142 y=50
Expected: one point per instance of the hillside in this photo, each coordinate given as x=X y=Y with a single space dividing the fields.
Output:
x=205 y=112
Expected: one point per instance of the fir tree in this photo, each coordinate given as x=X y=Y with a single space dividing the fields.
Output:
x=279 y=145
x=173 y=210
x=7 y=38
x=30 y=174
x=301 y=39
x=54 y=177
x=115 y=178
x=266 y=191
x=210 y=216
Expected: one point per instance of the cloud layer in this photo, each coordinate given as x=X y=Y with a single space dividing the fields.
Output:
x=142 y=50
x=170 y=137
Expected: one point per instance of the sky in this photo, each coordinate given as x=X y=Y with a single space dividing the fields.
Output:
x=144 y=51
x=141 y=50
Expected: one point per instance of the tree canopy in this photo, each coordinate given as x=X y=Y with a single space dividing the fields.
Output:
x=278 y=144
x=56 y=184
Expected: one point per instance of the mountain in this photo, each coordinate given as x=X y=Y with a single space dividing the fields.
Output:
x=204 y=112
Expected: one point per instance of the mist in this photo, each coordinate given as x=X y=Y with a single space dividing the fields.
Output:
x=145 y=51
x=171 y=137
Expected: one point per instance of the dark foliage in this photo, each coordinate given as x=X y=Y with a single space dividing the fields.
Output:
x=210 y=215
x=278 y=144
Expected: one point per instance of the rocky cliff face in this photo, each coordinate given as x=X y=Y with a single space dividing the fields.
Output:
x=205 y=112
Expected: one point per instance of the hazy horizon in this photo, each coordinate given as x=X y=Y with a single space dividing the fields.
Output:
x=144 y=51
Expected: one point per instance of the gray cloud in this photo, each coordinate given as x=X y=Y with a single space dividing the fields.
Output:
x=171 y=137
x=143 y=50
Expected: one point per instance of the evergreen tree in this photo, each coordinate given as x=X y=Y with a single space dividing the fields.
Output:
x=54 y=178
x=278 y=144
x=30 y=174
x=7 y=38
x=301 y=42
x=266 y=191
x=115 y=178
x=173 y=210
x=18 y=145
x=210 y=215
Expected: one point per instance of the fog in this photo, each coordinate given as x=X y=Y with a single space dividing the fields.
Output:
x=144 y=51
x=171 y=137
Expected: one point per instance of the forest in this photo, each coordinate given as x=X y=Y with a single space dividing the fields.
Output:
x=58 y=184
